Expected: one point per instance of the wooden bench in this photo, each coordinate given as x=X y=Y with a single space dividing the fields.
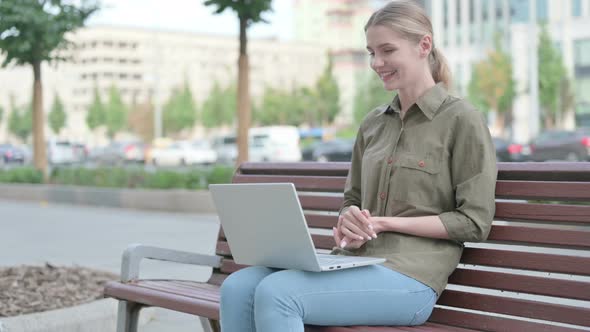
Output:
x=533 y=273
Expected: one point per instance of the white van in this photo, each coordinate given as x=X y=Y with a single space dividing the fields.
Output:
x=274 y=143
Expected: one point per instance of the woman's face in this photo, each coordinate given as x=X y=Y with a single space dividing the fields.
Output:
x=398 y=61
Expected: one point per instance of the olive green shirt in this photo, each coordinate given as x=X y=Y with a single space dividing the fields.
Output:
x=439 y=160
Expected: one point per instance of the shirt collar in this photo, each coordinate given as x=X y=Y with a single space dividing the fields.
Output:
x=428 y=103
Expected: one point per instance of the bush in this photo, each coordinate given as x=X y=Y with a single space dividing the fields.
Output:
x=21 y=175
x=139 y=178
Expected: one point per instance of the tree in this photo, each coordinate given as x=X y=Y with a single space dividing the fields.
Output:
x=57 y=116
x=141 y=120
x=491 y=86
x=96 y=116
x=31 y=31
x=370 y=93
x=115 y=113
x=328 y=95
x=180 y=111
x=220 y=106
x=248 y=12
x=552 y=73
x=20 y=120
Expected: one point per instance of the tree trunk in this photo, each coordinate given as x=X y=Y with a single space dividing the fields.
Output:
x=40 y=156
x=500 y=123
x=243 y=96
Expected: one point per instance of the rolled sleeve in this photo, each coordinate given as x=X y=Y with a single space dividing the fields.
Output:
x=474 y=172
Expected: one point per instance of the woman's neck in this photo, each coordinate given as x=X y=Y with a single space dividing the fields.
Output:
x=410 y=94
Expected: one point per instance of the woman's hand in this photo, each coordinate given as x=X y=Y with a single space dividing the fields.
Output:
x=354 y=228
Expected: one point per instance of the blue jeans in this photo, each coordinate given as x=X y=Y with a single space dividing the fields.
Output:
x=264 y=300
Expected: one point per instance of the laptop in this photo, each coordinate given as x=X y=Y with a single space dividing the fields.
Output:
x=264 y=225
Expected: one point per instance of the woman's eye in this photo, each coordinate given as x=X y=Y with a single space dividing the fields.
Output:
x=388 y=51
x=371 y=54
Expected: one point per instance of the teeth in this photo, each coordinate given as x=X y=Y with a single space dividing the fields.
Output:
x=387 y=74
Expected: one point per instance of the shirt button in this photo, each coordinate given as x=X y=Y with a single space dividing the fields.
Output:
x=382 y=195
x=390 y=161
x=421 y=163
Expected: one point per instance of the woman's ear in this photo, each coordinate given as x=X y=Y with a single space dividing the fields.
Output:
x=425 y=46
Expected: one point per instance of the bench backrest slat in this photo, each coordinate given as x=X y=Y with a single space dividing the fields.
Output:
x=521 y=283
x=543 y=190
x=481 y=322
x=535 y=263
x=516 y=306
x=543 y=212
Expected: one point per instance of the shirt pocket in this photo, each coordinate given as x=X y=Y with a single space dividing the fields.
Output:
x=415 y=179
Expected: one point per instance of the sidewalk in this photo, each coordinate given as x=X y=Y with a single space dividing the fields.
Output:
x=35 y=233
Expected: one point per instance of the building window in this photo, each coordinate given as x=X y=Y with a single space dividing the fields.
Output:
x=576 y=8
x=582 y=53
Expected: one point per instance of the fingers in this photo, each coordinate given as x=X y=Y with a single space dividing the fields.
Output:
x=358 y=222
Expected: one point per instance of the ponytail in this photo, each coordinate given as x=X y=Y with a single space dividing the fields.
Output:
x=439 y=67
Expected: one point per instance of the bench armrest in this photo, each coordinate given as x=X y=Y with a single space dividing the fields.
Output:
x=134 y=253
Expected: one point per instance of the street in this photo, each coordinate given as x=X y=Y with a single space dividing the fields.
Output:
x=35 y=233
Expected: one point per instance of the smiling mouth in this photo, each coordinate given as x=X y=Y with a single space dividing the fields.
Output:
x=387 y=75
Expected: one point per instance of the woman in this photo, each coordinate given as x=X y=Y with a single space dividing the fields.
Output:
x=421 y=182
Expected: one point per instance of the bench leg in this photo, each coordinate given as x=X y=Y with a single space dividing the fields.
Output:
x=127 y=316
x=210 y=325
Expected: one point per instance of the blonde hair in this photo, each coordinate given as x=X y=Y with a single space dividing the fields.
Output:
x=410 y=20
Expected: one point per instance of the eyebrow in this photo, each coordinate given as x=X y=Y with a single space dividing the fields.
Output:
x=381 y=45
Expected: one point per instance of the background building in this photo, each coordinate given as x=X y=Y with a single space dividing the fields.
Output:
x=139 y=62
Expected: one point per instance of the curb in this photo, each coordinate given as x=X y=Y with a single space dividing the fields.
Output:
x=96 y=316
x=172 y=200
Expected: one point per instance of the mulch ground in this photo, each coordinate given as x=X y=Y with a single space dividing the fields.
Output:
x=28 y=289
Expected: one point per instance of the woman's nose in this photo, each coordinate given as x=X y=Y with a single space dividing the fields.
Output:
x=376 y=62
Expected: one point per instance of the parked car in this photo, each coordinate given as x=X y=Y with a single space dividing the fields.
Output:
x=274 y=143
x=118 y=153
x=567 y=145
x=60 y=152
x=11 y=154
x=184 y=153
x=332 y=150
x=506 y=151
x=226 y=149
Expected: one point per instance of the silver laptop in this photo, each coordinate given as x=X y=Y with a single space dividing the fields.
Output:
x=265 y=226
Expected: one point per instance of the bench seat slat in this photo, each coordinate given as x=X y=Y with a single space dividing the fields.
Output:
x=482 y=322
x=542 y=212
x=522 y=283
x=543 y=190
x=516 y=307
x=190 y=305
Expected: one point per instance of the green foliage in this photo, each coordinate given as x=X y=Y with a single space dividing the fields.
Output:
x=115 y=113
x=277 y=107
x=21 y=175
x=57 y=116
x=491 y=86
x=96 y=115
x=139 y=178
x=180 y=111
x=369 y=94
x=551 y=74
x=20 y=121
x=32 y=30
x=250 y=10
x=220 y=107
